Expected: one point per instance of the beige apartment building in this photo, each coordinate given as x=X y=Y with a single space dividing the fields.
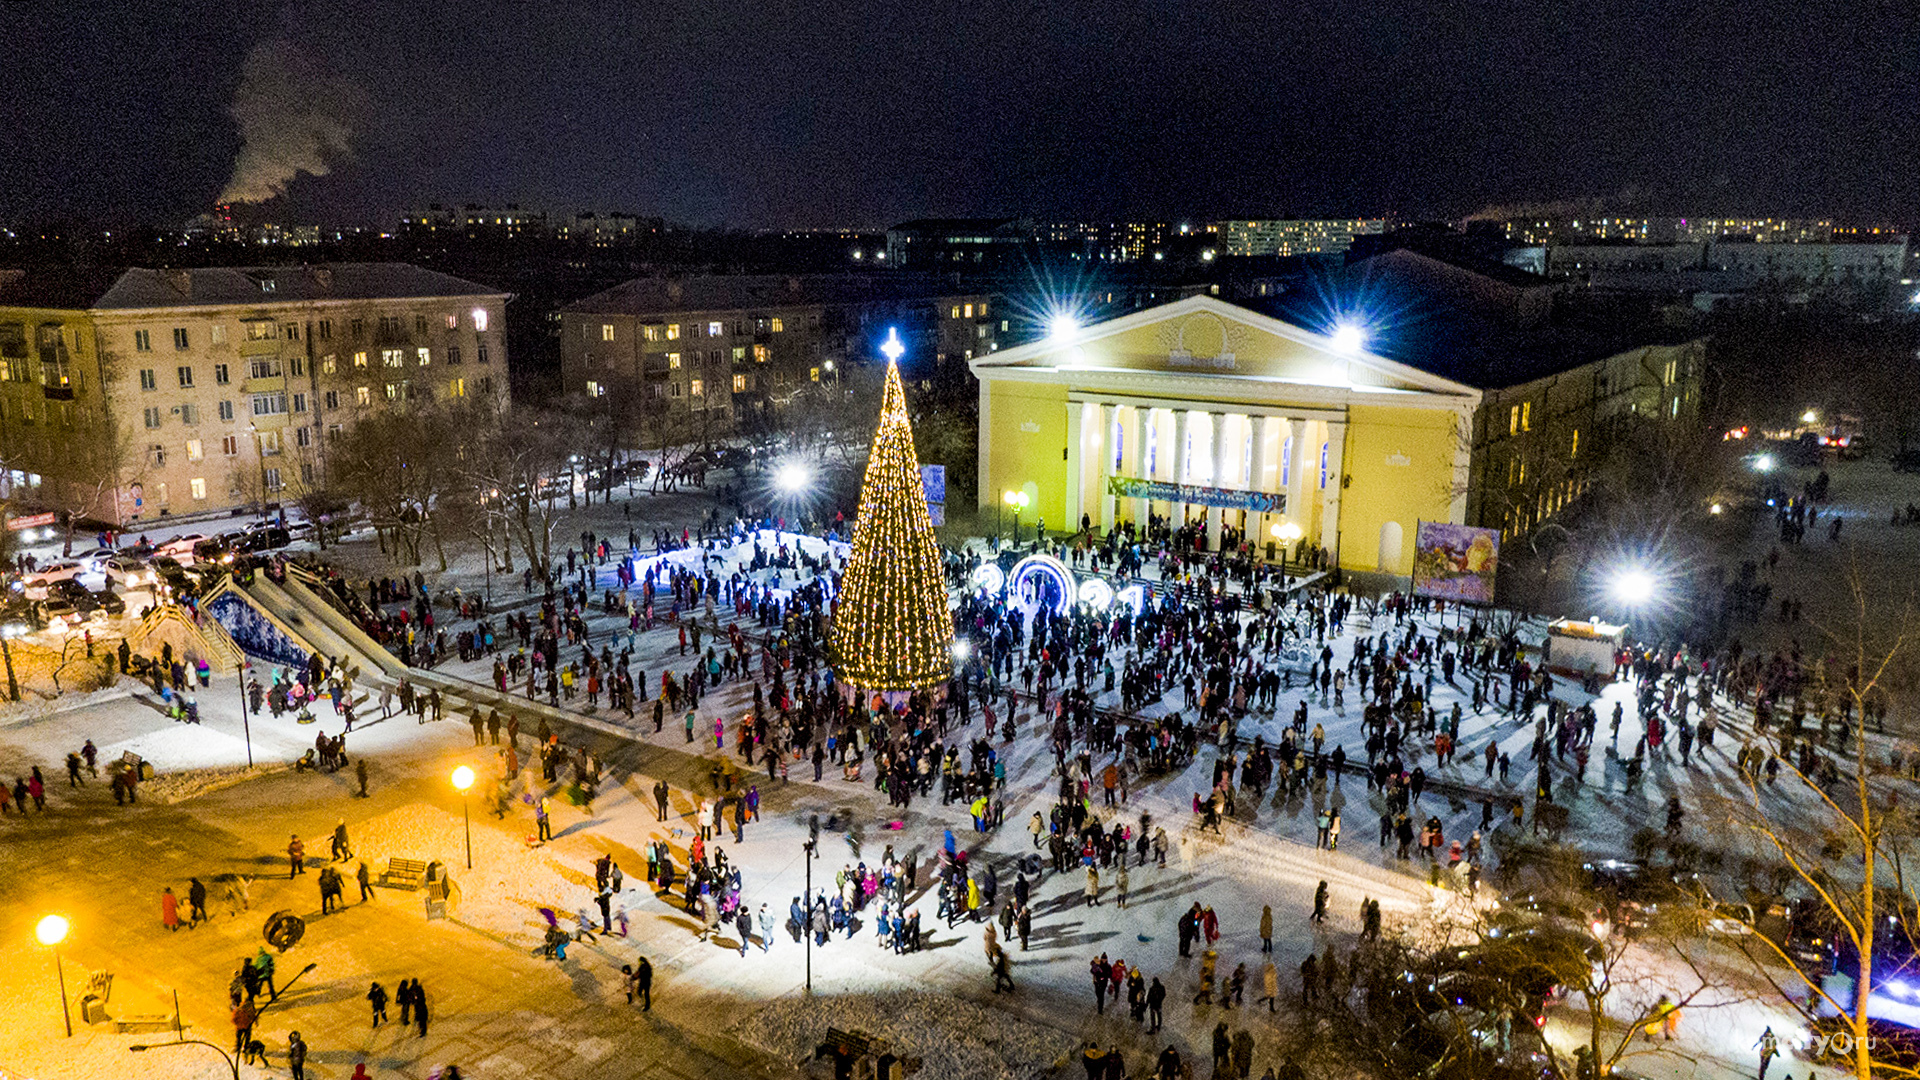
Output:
x=709 y=356
x=137 y=395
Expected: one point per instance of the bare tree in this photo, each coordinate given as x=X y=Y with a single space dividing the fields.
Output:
x=525 y=463
x=1850 y=853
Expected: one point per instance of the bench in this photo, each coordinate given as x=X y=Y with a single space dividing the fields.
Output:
x=403 y=874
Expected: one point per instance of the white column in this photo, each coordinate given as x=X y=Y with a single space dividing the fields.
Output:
x=1297 y=510
x=1330 y=498
x=1182 y=425
x=1105 y=470
x=1221 y=476
x=1143 y=430
x=985 y=472
x=1076 y=464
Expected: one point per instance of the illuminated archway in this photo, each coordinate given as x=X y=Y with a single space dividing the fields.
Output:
x=990 y=577
x=1050 y=568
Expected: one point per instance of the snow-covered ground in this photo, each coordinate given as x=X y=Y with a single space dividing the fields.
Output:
x=1266 y=857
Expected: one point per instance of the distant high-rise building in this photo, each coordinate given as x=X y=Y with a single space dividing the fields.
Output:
x=1269 y=237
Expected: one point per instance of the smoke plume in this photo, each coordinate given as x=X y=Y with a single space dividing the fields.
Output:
x=294 y=117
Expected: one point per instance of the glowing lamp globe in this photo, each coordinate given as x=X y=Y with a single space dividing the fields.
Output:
x=462 y=778
x=1349 y=338
x=1633 y=586
x=51 y=930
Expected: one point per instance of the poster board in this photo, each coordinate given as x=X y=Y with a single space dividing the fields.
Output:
x=1455 y=562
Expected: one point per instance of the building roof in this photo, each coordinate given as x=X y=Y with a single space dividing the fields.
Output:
x=952 y=225
x=1473 y=325
x=763 y=292
x=141 y=288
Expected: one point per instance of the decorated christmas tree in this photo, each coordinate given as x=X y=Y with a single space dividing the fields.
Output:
x=892 y=630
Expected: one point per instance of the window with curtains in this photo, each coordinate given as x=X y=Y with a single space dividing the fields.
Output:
x=1286 y=462
x=1323 y=466
x=1117 y=439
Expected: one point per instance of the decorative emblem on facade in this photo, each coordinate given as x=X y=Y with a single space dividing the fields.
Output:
x=1202 y=340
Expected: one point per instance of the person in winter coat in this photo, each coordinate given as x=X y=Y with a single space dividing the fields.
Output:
x=377 y=997
x=196 y=902
x=1266 y=928
x=1269 y=982
x=1120 y=883
x=1093 y=886
x=169 y=910
x=297 y=1055
x=420 y=1008
x=743 y=923
x=1210 y=924
x=1156 y=998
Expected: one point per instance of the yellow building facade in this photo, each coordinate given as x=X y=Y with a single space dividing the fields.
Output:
x=1200 y=408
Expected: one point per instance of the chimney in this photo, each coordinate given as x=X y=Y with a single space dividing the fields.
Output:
x=323 y=278
x=180 y=281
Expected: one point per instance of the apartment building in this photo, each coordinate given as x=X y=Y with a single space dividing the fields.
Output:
x=709 y=355
x=141 y=394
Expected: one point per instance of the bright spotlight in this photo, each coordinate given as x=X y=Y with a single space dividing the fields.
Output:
x=961 y=648
x=1763 y=462
x=1810 y=417
x=51 y=930
x=792 y=478
x=1062 y=326
x=1715 y=508
x=1349 y=338
x=462 y=778
x=1633 y=587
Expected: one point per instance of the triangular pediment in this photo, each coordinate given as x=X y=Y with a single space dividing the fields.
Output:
x=1207 y=337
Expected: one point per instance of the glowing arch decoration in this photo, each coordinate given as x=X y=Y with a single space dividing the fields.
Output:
x=1050 y=568
x=990 y=577
x=1096 y=594
x=1135 y=596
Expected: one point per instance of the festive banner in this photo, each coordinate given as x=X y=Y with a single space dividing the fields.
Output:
x=1455 y=562
x=1260 y=502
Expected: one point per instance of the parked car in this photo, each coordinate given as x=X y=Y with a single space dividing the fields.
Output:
x=37 y=583
x=129 y=573
x=110 y=601
x=94 y=558
x=59 y=610
x=264 y=538
x=17 y=617
x=180 y=547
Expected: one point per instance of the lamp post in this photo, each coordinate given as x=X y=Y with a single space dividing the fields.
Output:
x=462 y=780
x=1287 y=533
x=246 y=711
x=806 y=909
x=51 y=931
x=1018 y=500
x=231 y=1063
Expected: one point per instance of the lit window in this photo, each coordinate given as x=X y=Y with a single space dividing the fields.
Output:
x=425 y=355
x=715 y=329
x=1513 y=420
x=740 y=382
x=606 y=331
x=453 y=321
x=955 y=313
x=650 y=333
x=195 y=451
x=393 y=357
x=480 y=318
x=739 y=353
x=456 y=388
x=673 y=331
x=699 y=388
x=327 y=364
x=260 y=330
x=393 y=391
x=1575 y=450
x=778 y=325
x=360 y=359
x=594 y=389
x=760 y=354
x=1526 y=416
x=968 y=309
x=197 y=487
x=363 y=395
x=673 y=361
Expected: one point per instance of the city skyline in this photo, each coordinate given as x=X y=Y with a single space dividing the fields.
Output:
x=729 y=115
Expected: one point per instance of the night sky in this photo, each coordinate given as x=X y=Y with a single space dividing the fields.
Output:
x=858 y=112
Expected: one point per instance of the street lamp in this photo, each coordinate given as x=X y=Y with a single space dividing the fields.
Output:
x=246 y=710
x=792 y=478
x=1287 y=533
x=1763 y=462
x=51 y=931
x=1633 y=587
x=231 y=1063
x=1018 y=500
x=462 y=780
